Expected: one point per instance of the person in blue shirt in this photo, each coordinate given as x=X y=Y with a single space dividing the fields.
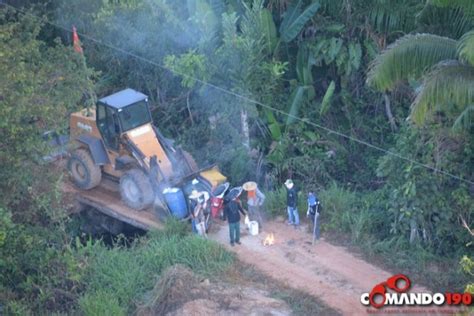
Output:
x=313 y=211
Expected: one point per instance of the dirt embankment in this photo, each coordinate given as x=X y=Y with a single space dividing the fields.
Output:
x=180 y=292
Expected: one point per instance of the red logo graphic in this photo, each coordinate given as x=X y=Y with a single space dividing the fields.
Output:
x=398 y=295
x=399 y=283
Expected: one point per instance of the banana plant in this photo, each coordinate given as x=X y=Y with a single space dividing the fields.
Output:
x=273 y=125
x=296 y=99
x=326 y=102
x=345 y=56
x=269 y=31
x=304 y=62
x=294 y=20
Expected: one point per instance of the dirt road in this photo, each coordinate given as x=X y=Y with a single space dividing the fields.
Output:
x=325 y=271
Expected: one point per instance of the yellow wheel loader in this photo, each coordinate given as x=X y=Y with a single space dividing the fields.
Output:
x=118 y=138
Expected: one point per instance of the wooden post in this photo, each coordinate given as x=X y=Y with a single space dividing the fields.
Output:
x=315 y=222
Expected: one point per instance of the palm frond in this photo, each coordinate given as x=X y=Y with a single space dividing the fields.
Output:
x=466 y=47
x=451 y=22
x=409 y=57
x=467 y=6
x=465 y=119
x=449 y=88
x=464 y=4
x=387 y=16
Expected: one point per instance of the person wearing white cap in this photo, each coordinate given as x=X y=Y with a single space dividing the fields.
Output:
x=198 y=206
x=292 y=203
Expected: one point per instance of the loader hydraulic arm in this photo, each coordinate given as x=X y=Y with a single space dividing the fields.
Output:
x=136 y=153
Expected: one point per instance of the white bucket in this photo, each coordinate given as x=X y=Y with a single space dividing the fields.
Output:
x=253 y=226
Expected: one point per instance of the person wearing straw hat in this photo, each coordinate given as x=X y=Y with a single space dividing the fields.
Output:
x=232 y=212
x=255 y=199
x=292 y=203
x=199 y=203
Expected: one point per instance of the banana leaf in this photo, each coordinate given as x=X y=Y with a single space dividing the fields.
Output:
x=294 y=21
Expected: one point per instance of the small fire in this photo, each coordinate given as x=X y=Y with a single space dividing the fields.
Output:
x=269 y=240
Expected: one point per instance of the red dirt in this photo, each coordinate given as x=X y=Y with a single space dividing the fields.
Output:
x=325 y=271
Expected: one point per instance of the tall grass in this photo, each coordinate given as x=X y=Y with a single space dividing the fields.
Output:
x=349 y=213
x=126 y=273
x=302 y=303
x=275 y=202
x=419 y=262
x=101 y=303
x=363 y=220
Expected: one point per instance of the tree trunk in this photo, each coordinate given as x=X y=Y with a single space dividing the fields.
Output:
x=245 y=128
x=388 y=111
x=413 y=231
x=189 y=108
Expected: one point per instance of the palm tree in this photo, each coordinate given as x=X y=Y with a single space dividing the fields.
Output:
x=446 y=67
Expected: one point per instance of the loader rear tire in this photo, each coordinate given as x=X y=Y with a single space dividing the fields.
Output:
x=84 y=172
x=136 y=190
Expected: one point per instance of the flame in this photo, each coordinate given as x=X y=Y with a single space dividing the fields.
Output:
x=269 y=240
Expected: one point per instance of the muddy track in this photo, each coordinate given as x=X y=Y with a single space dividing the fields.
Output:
x=325 y=271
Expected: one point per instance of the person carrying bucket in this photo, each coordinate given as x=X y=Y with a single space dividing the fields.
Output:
x=255 y=199
x=232 y=212
x=198 y=207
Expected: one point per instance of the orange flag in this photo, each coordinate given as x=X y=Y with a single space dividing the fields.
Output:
x=75 y=41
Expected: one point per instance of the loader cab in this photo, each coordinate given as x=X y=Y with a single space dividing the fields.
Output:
x=119 y=113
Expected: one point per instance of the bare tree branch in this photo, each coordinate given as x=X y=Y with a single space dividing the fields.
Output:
x=464 y=224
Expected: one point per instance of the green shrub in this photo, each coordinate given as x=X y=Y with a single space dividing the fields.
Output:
x=37 y=272
x=275 y=202
x=350 y=213
x=118 y=270
x=339 y=207
x=100 y=303
x=17 y=307
x=467 y=265
x=129 y=272
x=203 y=256
x=420 y=262
x=175 y=227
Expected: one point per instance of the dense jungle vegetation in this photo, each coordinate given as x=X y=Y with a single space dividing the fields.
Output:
x=368 y=102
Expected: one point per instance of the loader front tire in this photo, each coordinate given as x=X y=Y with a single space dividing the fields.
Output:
x=136 y=190
x=84 y=172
